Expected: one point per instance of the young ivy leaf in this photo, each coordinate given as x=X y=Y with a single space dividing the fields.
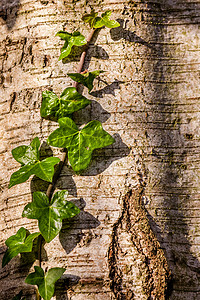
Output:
x=90 y=18
x=21 y=242
x=28 y=157
x=98 y=22
x=105 y=21
x=50 y=215
x=69 y=102
x=86 y=79
x=80 y=144
x=45 y=282
x=71 y=39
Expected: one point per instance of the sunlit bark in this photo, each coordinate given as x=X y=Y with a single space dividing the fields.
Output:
x=139 y=197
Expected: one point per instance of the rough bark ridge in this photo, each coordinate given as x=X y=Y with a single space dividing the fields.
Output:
x=153 y=267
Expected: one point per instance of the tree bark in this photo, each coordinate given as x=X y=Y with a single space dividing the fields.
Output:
x=137 y=236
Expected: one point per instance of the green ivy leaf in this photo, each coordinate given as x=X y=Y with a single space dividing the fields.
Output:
x=29 y=156
x=50 y=215
x=86 y=79
x=71 y=39
x=105 y=21
x=80 y=144
x=90 y=18
x=69 y=102
x=21 y=242
x=45 y=282
x=98 y=22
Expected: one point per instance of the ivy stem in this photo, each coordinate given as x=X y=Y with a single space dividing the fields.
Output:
x=52 y=185
x=83 y=55
x=37 y=295
x=40 y=240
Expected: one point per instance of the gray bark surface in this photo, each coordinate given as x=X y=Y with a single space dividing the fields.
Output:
x=137 y=236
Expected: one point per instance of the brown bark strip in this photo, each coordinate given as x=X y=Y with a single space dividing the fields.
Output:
x=155 y=272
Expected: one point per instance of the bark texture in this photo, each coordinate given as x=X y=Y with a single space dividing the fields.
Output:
x=139 y=198
x=133 y=232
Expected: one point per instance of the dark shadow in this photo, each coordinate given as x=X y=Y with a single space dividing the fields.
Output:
x=27 y=259
x=97 y=52
x=66 y=282
x=67 y=183
x=45 y=151
x=94 y=111
x=38 y=184
x=71 y=233
x=8 y=11
x=93 y=51
x=109 y=89
x=170 y=148
x=119 y=33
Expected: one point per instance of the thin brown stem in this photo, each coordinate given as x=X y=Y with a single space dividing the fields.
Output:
x=40 y=240
x=37 y=295
x=83 y=55
x=52 y=185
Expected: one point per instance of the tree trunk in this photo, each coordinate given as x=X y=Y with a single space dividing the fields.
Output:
x=137 y=236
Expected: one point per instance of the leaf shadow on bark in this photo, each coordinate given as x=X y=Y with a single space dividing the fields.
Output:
x=120 y=32
x=94 y=111
x=72 y=232
x=94 y=51
x=8 y=11
x=168 y=170
x=109 y=89
x=66 y=282
x=102 y=158
x=170 y=146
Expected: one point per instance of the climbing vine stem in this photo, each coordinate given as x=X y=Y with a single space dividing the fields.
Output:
x=83 y=55
x=52 y=185
x=51 y=208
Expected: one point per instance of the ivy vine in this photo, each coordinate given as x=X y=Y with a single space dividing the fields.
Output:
x=51 y=208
